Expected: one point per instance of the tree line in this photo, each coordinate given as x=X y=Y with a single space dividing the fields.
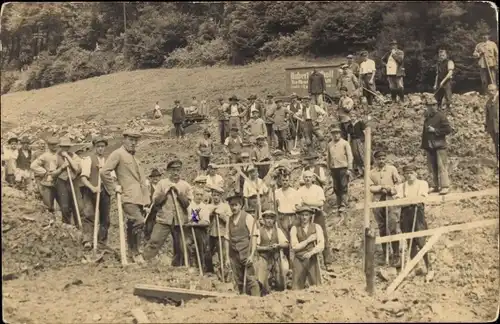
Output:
x=64 y=42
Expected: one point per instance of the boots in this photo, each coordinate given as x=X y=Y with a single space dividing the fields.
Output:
x=402 y=95
x=396 y=260
x=393 y=95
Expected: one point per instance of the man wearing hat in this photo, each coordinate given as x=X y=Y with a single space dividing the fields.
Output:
x=242 y=237
x=262 y=154
x=382 y=180
x=214 y=179
x=444 y=77
x=316 y=87
x=367 y=71
x=44 y=168
x=131 y=183
x=280 y=122
x=346 y=104
x=217 y=230
x=200 y=182
x=339 y=160
x=178 y=118
x=294 y=124
x=311 y=164
x=255 y=126
x=286 y=199
x=313 y=196
x=395 y=71
x=311 y=115
x=223 y=120
x=205 y=149
x=89 y=178
x=9 y=157
x=413 y=216
x=233 y=145
x=353 y=66
x=255 y=105
x=356 y=130
x=152 y=182
x=237 y=113
x=270 y=107
x=167 y=219
x=347 y=80
x=436 y=127
x=253 y=188
x=491 y=123
x=487 y=54
x=307 y=241
x=269 y=264
x=23 y=163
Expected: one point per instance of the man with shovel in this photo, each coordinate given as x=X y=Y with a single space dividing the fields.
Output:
x=173 y=197
x=487 y=54
x=311 y=115
x=444 y=75
x=131 y=182
x=367 y=71
x=393 y=61
x=217 y=231
x=44 y=168
x=91 y=187
x=151 y=211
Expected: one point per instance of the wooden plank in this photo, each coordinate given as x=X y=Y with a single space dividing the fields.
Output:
x=177 y=294
x=235 y=165
x=446 y=229
x=402 y=275
x=368 y=196
x=430 y=198
x=139 y=316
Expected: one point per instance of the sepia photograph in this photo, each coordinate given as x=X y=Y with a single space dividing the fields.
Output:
x=249 y=162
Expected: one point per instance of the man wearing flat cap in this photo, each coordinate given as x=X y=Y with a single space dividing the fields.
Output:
x=316 y=87
x=178 y=118
x=382 y=180
x=307 y=241
x=131 y=183
x=44 y=168
x=237 y=113
x=294 y=124
x=413 y=216
x=263 y=154
x=253 y=188
x=255 y=105
x=91 y=186
x=217 y=231
x=9 y=157
x=395 y=71
x=255 y=126
x=444 y=78
x=352 y=65
x=233 y=145
x=223 y=120
x=311 y=116
x=270 y=107
x=280 y=122
x=487 y=54
x=340 y=160
x=242 y=235
x=173 y=197
x=23 y=163
x=367 y=70
x=348 y=81
x=153 y=179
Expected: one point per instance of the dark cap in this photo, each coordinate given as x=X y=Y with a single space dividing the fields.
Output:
x=304 y=208
x=252 y=97
x=379 y=154
x=99 y=139
x=364 y=53
x=269 y=214
x=52 y=141
x=13 y=138
x=177 y=101
x=25 y=139
x=343 y=88
x=270 y=95
x=393 y=42
x=131 y=133
x=155 y=173
x=233 y=129
x=174 y=164
x=409 y=168
x=233 y=196
x=234 y=98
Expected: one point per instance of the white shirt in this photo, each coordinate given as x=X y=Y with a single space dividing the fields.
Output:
x=250 y=188
x=234 y=111
x=281 y=236
x=203 y=211
x=320 y=238
x=419 y=188
x=313 y=196
x=392 y=65
x=215 y=180
x=319 y=111
x=252 y=107
x=322 y=174
x=367 y=66
x=286 y=200
x=86 y=164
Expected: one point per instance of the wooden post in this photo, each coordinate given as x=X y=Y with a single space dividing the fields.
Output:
x=368 y=196
x=96 y=213
x=183 y=237
x=121 y=226
x=369 y=261
x=75 y=202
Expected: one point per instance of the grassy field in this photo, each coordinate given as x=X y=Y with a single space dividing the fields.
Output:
x=118 y=97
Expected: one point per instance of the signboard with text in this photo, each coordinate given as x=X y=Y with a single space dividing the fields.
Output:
x=297 y=79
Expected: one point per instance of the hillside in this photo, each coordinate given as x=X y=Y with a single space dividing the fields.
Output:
x=118 y=97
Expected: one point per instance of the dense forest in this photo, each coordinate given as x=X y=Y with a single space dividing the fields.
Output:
x=43 y=44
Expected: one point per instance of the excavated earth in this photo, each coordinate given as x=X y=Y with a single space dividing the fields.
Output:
x=47 y=278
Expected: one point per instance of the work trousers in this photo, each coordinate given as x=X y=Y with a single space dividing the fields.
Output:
x=214 y=248
x=48 y=194
x=446 y=93
x=159 y=236
x=358 y=154
x=396 y=87
x=306 y=269
x=134 y=215
x=263 y=170
x=223 y=130
x=89 y=203
x=270 y=133
x=238 y=266
x=268 y=269
x=340 y=185
x=286 y=221
x=387 y=222
x=344 y=130
x=202 y=243
x=282 y=143
x=320 y=219
x=235 y=121
x=66 y=202
x=179 y=131
x=10 y=179
x=150 y=223
x=365 y=78
x=487 y=78
x=409 y=215
x=295 y=129
x=495 y=138
x=437 y=161
x=317 y=99
x=312 y=129
x=204 y=161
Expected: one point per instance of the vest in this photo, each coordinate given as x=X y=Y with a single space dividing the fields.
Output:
x=94 y=170
x=442 y=69
x=265 y=240
x=234 y=145
x=23 y=162
x=312 y=112
x=239 y=241
x=302 y=236
x=294 y=107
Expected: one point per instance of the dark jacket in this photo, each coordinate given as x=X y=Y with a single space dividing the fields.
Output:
x=436 y=140
x=491 y=116
x=317 y=83
x=399 y=58
x=178 y=115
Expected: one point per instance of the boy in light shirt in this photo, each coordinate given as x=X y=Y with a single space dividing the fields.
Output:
x=199 y=221
x=253 y=188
